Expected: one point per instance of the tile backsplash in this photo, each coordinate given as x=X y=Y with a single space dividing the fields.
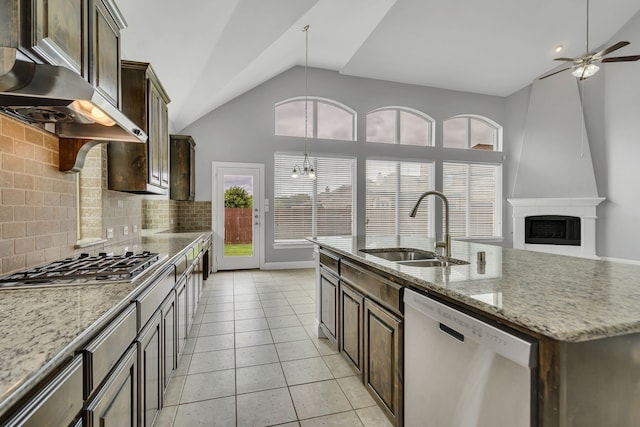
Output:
x=38 y=206
x=177 y=216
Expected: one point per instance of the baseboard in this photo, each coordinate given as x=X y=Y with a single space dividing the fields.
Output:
x=288 y=265
x=621 y=260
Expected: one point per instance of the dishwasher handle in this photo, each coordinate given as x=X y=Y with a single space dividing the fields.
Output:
x=450 y=331
x=514 y=348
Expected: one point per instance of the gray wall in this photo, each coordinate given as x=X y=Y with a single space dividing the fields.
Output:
x=243 y=131
x=611 y=104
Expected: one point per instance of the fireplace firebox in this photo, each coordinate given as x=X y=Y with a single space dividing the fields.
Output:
x=552 y=230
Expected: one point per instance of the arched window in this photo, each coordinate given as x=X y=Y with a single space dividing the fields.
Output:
x=399 y=125
x=472 y=132
x=326 y=119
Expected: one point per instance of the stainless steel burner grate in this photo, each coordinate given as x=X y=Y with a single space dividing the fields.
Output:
x=84 y=268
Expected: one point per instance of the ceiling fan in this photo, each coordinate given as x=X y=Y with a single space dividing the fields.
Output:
x=586 y=65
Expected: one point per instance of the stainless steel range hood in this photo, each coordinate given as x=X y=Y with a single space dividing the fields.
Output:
x=40 y=93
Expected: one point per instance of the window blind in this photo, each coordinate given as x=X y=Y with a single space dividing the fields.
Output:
x=304 y=207
x=392 y=189
x=472 y=190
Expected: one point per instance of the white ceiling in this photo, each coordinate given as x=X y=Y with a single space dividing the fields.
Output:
x=207 y=52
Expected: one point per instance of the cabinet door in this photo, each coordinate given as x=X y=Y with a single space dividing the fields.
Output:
x=155 y=136
x=164 y=145
x=116 y=403
x=351 y=329
x=181 y=314
x=383 y=365
x=192 y=171
x=169 y=358
x=105 y=53
x=58 y=403
x=150 y=369
x=329 y=305
x=59 y=33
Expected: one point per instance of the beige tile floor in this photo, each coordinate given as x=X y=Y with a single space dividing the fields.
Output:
x=252 y=359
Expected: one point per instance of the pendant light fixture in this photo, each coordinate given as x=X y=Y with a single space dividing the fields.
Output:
x=307 y=168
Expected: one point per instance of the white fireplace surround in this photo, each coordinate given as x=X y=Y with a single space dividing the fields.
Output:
x=582 y=207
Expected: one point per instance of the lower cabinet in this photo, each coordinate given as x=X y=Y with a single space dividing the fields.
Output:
x=383 y=359
x=116 y=402
x=351 y=329
x=58 y=403
x=329 y=305
x=150 y=370
x=181 y=314
x=169 y=350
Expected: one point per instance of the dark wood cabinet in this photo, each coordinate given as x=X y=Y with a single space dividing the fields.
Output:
x=329 y=285
x=181 y=314
x=383 y=359
x=58 y=403
x=150 y=371
x=351 y=325
x=104 y=60
x=59 y=33
x=142 y=168
x=183 y=168
x=116 y=403
x=169 y=351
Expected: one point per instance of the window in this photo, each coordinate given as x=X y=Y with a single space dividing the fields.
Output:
x=474 y=196
x=322 y=207
x=326 y=119
x=474 y=132
x=392 y=190
x=399 y=125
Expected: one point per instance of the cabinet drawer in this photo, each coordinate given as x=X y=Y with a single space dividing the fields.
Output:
x=102 y=353
x=383 y=291
x=58 y=403
x=330 y=262
x=149 y=301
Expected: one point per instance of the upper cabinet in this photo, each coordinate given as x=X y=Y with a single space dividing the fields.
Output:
x=183 y=167
x=142 y=168
x=82 y=35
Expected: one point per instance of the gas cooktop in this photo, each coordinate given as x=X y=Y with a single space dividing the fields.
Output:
x=83 y=269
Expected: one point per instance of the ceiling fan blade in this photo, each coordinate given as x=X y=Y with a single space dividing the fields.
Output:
x=610 y=49
x=622 y=58
x=555 y=72
x=564 y=59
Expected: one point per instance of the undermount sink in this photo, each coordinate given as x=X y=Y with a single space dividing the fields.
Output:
x=413 y=257
x=434 y=262
x=400 y=254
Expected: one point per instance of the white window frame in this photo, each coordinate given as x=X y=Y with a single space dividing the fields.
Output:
x=499 y=203
x=398 y=110
x=498 y=135
x=302 y=243
x=314 y=119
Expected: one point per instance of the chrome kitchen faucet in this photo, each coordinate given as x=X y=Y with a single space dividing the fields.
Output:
x=446 y=244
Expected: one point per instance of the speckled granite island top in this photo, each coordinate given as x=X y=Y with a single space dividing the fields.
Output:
x=39 y=327
x=564 y=298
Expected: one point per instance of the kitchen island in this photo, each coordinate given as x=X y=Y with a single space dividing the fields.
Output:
x=584 y=315
x=43 y=328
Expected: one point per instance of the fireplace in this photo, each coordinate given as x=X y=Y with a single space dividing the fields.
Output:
x=565 y=226
x=552 y=230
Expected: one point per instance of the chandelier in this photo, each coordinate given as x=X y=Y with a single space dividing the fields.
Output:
x=307 y=168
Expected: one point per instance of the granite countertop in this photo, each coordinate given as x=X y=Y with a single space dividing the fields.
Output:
x=41 y=327
x=560 y=297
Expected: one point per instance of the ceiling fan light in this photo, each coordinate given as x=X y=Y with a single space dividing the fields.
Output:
x=585 y=71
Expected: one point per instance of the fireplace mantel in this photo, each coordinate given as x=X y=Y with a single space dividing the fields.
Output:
x=582 y=207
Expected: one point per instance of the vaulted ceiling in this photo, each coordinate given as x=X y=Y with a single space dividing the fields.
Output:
x=207 y=52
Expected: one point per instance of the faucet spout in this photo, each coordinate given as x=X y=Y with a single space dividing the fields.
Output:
x=446 y=244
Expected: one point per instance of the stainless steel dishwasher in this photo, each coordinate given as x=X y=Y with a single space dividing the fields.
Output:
x=463 y=372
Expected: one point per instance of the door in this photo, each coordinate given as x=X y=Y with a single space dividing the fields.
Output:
x=237 y=215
